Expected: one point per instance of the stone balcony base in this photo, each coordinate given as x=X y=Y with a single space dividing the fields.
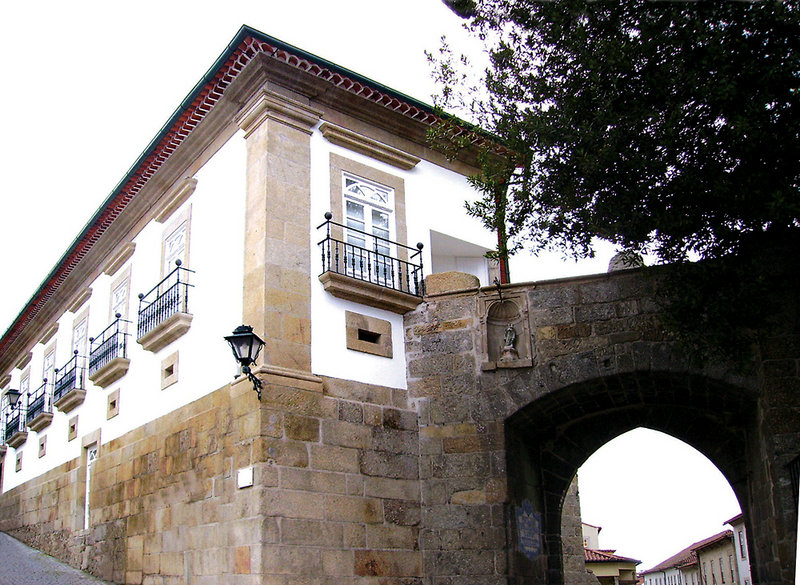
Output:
x=41 y=422
x=165 y=333
x=17 y=439
x=367 y=293
x=70 y=400
x=111 y=372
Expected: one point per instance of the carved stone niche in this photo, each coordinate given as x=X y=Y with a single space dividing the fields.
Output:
x=505 y=332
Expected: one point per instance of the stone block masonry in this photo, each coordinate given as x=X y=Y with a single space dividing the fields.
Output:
x=500 y=443
x=335 y=496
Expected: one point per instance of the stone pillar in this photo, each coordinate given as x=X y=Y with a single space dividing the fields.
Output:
x=277 y=282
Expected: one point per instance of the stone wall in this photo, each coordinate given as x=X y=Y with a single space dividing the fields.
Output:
x=503 y=430
x=335 y=496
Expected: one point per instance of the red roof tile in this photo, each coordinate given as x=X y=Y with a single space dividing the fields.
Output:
x=687 y=556
x=605 y=556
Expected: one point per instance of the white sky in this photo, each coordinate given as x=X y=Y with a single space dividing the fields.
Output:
x=88 y=84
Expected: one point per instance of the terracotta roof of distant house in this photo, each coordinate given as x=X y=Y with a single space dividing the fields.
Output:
x=605 y=556
x=735 y=520
x=687 y=556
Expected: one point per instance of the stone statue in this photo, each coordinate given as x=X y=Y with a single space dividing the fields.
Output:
x=509 y=340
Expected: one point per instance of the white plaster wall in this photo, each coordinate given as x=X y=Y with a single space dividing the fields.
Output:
x=329 y=354
x=216 y=254
x=434 y=200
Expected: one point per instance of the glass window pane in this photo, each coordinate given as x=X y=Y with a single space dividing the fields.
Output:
x=355 y=211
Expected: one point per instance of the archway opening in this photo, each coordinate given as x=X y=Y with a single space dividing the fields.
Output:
x=653 y=495
x=552 y=437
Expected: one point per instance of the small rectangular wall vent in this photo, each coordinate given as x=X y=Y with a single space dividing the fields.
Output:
x=368 y=334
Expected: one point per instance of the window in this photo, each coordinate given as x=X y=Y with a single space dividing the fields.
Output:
x=730 y=566
x=25 y=383
x=91 y=457
x=721 y=571
x=368 y=210
x=713 y=575
x=49 y=364
x=80 y=334
x=742 y=546
x=120 y=293
x=175 y=243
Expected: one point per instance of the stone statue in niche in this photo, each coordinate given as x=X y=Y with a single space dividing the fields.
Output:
x=509 y=352
x=507 y=340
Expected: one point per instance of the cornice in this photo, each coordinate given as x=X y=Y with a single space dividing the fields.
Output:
x=269 y=105
x=49 y=333
x=24 y=360
x=175 y=198
x=365 y=145
x=79 y=300
x=118 y=259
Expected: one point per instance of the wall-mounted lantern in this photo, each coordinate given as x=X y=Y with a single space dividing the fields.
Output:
x=13 y=397
x=246 y=346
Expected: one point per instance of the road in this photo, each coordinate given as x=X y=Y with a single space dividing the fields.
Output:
x=23 y=565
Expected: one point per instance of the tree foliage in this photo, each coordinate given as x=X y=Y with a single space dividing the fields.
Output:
x=667 y=128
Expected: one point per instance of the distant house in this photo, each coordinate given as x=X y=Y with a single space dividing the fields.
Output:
x=610 y=568
x=707 y=562
x=740 y=554
x=591 y=535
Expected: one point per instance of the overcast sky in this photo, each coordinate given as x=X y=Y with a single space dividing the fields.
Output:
x=88 y=84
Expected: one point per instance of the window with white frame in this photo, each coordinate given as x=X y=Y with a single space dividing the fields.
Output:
x=80 y=334
x=175 y=243
x=49 y=364
x=91 y=457
x=369 y=212
x=120 y=292
x=25 y=383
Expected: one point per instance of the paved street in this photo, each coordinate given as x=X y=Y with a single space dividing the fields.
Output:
x=22 y=565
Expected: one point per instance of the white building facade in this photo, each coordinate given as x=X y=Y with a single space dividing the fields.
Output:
x=132 y=439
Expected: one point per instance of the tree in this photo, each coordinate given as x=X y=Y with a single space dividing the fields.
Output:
x=670 y=129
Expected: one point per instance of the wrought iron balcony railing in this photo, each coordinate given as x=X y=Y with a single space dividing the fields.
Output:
x=168 y=297
x=14 y=424
x=110 y=344
x=38 y=402
x=69 y=377
x=376 y=261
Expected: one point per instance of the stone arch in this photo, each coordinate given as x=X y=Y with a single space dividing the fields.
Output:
x=548 y=439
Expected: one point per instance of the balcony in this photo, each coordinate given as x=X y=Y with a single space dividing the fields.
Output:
x=108 y=360
x=40 y=408
x=69 y=387
x=163 y=312
x=14 y=433
x=380 y=273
